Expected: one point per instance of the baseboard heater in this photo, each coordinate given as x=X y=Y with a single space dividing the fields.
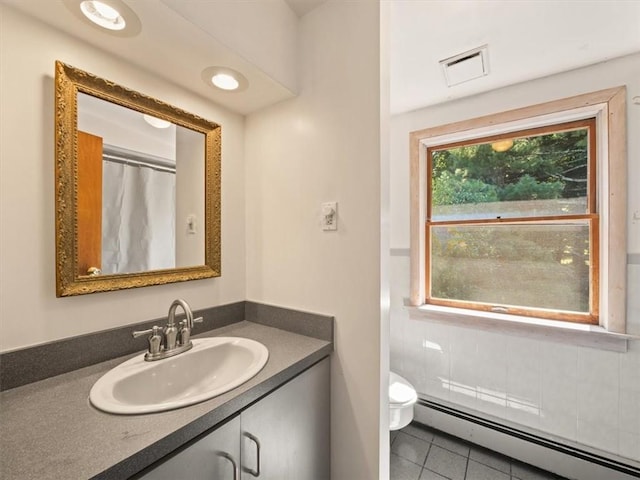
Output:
x=529 y=437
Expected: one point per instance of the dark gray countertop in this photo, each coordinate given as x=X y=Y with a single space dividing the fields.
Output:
x=49 y=430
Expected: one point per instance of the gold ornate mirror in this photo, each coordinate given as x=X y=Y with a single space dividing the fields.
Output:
x=137 y=188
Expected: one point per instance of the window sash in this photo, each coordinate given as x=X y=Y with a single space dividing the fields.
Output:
x=589 y=124
x=592 y=317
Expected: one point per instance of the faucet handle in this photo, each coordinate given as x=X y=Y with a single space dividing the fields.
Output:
x=139 y=333
x=184 y=332
x=155 y=340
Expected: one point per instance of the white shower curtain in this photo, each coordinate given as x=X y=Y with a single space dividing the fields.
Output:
x=138 y=218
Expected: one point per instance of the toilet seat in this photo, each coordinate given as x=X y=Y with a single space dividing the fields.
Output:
x=402 y=398
x=401 y=392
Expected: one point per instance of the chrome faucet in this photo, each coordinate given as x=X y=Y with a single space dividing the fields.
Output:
x=172 y=339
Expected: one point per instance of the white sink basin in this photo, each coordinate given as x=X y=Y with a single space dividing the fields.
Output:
x=212 y=367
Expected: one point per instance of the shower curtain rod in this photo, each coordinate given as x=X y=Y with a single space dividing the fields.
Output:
x=111 y=153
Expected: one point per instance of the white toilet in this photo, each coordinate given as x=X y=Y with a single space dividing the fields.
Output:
x=402 y=398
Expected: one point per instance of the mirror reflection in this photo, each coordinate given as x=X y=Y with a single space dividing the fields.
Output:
x=140 y=191
x=137 y=188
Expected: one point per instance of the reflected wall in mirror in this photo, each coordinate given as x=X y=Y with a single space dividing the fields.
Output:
x=137 y=188
x=151 y=205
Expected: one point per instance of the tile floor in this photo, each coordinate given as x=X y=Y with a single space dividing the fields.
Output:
x=420 y=453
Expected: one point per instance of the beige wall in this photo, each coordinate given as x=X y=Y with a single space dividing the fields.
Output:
x=189 y=197
x=324 y=146
x=30 y=313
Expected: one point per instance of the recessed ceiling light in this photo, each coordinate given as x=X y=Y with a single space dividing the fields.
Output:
x=110 y=16
x=224 y=78
x=225 y=81
x=102 y=14
x=156 y=122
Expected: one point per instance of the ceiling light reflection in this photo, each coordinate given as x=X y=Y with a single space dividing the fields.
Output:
x=156 y=122
x=502 y=145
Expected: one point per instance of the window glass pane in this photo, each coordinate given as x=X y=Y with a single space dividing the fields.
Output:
x=536 y=266
x=521 y=177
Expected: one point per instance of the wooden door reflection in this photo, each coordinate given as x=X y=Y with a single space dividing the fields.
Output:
x=89 y=203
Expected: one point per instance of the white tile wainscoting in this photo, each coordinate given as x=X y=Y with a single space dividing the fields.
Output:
x=584 y=395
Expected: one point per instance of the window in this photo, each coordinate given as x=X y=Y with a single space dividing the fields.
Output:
x=523 y=212
x=512 y=224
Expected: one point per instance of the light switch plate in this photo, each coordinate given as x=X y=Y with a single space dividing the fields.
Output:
x=329 y=216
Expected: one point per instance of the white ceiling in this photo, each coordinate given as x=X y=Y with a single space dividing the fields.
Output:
x=527 y=39
x=171 y=47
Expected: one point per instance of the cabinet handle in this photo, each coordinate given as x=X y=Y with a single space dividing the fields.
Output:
x=236 y=473
x=254 y=439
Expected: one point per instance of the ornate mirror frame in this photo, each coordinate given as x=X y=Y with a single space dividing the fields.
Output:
x=68 y=82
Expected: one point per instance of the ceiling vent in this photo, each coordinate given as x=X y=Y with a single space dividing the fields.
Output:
x=466 y=66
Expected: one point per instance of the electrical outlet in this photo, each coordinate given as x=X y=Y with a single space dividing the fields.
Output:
x=329 y=216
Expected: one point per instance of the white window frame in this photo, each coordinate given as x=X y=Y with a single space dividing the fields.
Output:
x=609 y=109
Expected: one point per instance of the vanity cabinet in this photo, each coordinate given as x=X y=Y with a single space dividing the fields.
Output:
x=215 y=456
x=285 y=435
x=292 y=425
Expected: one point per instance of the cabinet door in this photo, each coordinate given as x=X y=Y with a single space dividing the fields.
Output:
x=290 y=429
x=215 y=456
